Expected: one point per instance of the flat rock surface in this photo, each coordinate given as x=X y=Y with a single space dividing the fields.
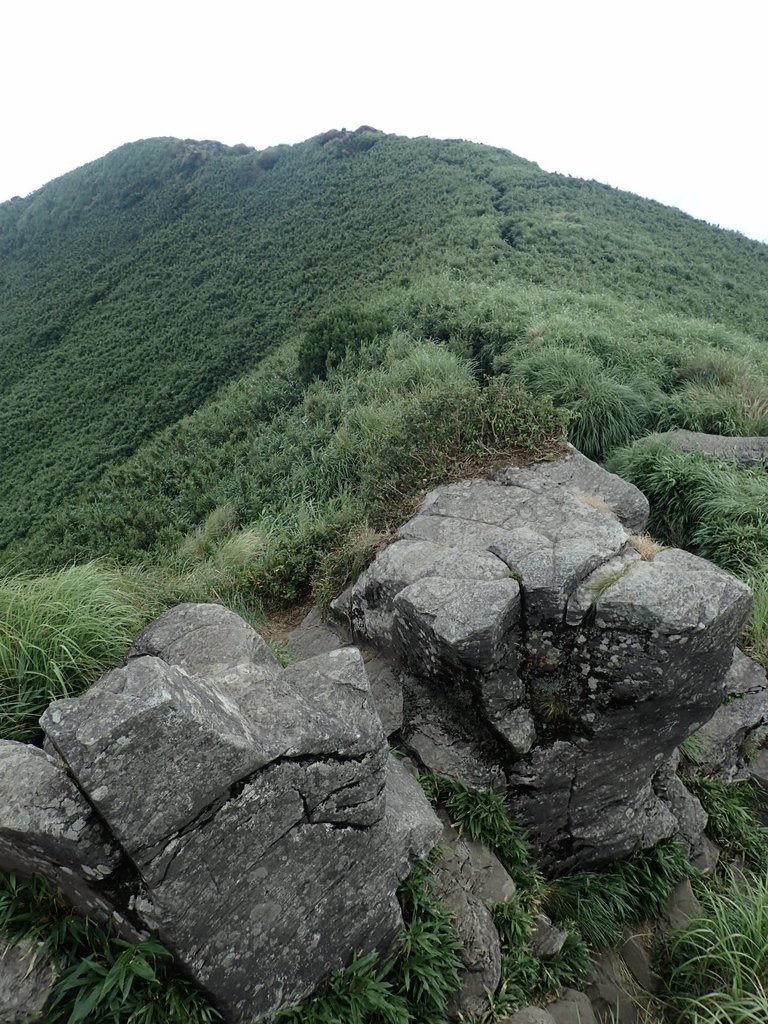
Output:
x=746 y=451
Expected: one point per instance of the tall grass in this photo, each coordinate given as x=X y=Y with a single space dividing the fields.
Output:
x=715 y=970
x=59 y=632
x=626 y=891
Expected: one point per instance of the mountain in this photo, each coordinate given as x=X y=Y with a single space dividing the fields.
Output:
x=152 y=302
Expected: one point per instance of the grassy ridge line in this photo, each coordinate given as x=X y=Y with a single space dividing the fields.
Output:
x=137 y=287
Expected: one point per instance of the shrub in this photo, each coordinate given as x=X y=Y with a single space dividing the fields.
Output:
x=338 y=334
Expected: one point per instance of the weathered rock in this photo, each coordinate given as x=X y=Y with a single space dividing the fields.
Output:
x=474 y=865
x=386 y=686
x=48 y=828
x=588 y=481
x=534 y=677
x=681 y=908
x=444 y=734
x=634 y=952
x=530 y=1015
x=318 y=635
x=572 y=1008
x=745 y=451
x=480 y=951
x=269 y=826
x=203 y=639
x=687 y=810
x=546 y=940
x=613 y=993
x=315 y=635
x=26 y=982
x=721 y=743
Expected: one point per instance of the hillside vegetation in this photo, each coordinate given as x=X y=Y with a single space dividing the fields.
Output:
x=229 y=374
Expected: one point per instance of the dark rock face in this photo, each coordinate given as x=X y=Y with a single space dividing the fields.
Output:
x=546 y=657
x=253 y=814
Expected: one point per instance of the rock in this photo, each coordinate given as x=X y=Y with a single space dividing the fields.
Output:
x=401 y=565
x=546 y=940
x=745 y=451
x=572 y=1008
x=758 y=769
x=315 y=635
x=690 y=816
x=612 y=993
x=48 y=828
x=203 y=638
x=537 y=639
x=474 y=865
x=446 y=737
x=635 y=954
x=530 y=1015
x=26 y=982
x=273 y=827
x=721 y=742
x=681 y=908
x=587 y=480
x=444 y=626
x=480 y=952
x=706 y=857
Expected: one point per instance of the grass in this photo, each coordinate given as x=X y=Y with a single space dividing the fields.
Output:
x=59 y=632
x=714 y=970
x=101 y=979
x=732 y=824
x=602 y=902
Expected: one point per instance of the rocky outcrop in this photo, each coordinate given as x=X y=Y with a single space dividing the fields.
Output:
x=260 y=825
x=745 y=451
x=545 y=656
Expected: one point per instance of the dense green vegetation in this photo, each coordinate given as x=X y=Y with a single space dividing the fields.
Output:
x=228 y=374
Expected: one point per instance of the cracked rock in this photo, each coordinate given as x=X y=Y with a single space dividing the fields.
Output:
x=268 y=826
x=534 y=681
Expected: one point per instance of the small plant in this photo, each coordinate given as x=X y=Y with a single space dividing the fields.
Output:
x=690 y=750
x=646 y=546
x=484 y=817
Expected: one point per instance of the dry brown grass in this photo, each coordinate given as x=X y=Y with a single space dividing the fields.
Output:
x=645 y=546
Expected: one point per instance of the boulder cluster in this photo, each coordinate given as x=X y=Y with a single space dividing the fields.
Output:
x=519 y=633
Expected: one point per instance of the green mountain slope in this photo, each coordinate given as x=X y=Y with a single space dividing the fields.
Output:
x=154 y=283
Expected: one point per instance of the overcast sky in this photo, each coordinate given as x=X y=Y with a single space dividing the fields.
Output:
x=666 y=99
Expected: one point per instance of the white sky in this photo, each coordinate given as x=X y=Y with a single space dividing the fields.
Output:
x=666 y=99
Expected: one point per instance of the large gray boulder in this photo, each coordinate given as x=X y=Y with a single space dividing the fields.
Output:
x=267 y=825
x=539 y=635
x=745 y=451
